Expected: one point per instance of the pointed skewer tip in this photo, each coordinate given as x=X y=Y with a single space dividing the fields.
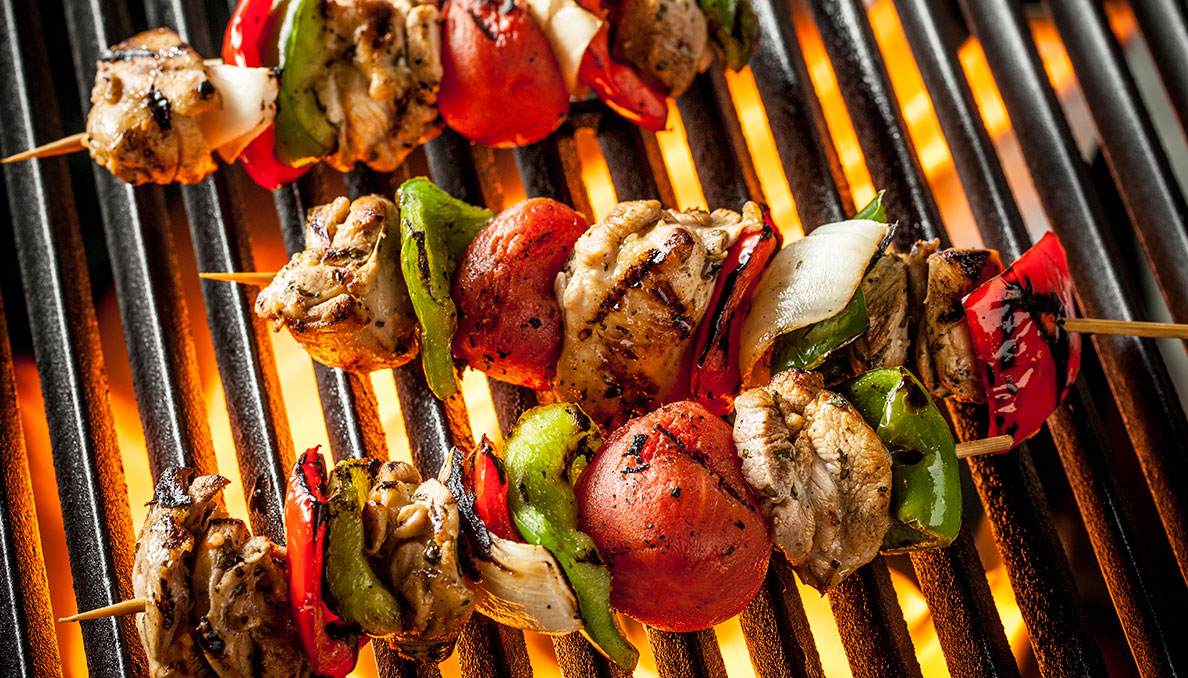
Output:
x=120 y=609
x=70 y=144
x=258 y=278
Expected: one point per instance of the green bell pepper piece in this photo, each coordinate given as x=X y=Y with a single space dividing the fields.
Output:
x=303 y=134
x=873 y=210
x=734 y=28
x=353 y=589
x=808 y=347
x=435 y=229
x=926 y=489
x=541 y=455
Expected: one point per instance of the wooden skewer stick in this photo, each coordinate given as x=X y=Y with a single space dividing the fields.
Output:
x=70 y=144
x=258 y=278
x=120 y=609
x=1132 y=328
x=993 y=445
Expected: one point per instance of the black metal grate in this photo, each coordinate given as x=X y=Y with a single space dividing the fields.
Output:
x=165 y=374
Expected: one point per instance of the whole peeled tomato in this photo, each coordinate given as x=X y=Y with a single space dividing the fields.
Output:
x=666 y=503
x=510 y=325
x=501 y=85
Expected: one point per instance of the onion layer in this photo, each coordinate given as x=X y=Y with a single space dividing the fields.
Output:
x=249 y=106
x=808 y=281
x=569 y=28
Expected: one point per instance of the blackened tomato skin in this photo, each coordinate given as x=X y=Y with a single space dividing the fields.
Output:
x=666 y=503
x=510 y=325
x=501 y=85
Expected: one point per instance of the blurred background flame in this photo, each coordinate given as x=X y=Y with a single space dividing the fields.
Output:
x=300 y=392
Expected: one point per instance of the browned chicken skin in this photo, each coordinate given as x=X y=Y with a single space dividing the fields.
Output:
x=634 y=289
x=820 y=472
x=343 y=298
x=381 y=91
x=944 y=349
x=149 y=91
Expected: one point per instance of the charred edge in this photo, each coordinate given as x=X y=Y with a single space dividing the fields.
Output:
x=161 y=109
x=972 y=262
x=486 y=30
x=476 y=540
x=172 y=489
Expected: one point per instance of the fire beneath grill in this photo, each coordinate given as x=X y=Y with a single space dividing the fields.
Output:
x=300 y=392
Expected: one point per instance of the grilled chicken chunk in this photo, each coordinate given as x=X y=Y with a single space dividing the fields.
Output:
x=182 y=508
x=944 y=349
x=412 y=537
x=819 y=471
x=888 y=340
x=667 y=41
x=381 y=90
x=143 y=127
x=241 y=606
x=343 y=298
x=634 y=289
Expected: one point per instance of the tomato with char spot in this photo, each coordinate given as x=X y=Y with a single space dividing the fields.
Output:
x=666 y=503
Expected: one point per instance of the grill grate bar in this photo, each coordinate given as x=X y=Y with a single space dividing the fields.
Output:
x=1132 y=149
x=1151 y=411
x=1165 y=26
x=28 y=645
x=152 y=306
x=91 y=487
x=1122 y=563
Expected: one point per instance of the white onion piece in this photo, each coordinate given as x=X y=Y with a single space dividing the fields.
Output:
x=808 y=281
x=523 y=587
x=569 y=28
x=249 y=106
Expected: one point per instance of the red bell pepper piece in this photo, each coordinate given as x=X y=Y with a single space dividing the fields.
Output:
x=250 y=40
x=1028 y=360
x=715 y=378
x=332 y=648
x=490 y=489
x=618 y=84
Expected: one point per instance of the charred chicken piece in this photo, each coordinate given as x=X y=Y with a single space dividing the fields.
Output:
x=944 y=350
x=343 y=298
x=888 y=340
x=179 y=514
x=149 y=91
x=634 y=289
x=381 y=91
x=666 y=40
x=241 y=605
x=819 y=471
x=412 y=537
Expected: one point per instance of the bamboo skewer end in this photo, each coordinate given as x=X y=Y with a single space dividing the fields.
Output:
x=257 y=278
x=1133 y=328
x=70 y=144
x=120 y=609
x=993 y=445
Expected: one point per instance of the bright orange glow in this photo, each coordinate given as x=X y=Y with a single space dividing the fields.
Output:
x=674 y=145
x=595 y=174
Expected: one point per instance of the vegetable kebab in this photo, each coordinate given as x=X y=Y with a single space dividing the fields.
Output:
x=658 y=521
x=366 y=81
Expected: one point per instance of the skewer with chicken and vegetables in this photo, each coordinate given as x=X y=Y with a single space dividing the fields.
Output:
x=366 y=81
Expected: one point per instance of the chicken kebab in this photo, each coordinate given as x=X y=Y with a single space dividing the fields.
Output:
x=366 y=81
x=658 y=520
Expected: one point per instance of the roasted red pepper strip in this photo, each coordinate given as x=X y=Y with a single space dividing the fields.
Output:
x=1028 y=360
x=250 y=40
x=332 y=649
x=618 y=84
x=490 y=489
x=715 y=378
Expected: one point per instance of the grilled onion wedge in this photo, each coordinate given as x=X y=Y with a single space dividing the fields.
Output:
x=523 y=587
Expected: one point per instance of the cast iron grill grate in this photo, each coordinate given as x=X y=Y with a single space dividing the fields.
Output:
x=160 y=342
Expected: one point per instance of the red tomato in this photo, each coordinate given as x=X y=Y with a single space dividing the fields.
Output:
x=501 y=85
x=509 y=323
x=1029 y=360
x=250 y=40
x=666 y=503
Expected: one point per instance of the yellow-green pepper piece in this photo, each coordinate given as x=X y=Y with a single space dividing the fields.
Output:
x=353 y=589
x=435 y=229
x=544 y=454
x=926 y=488
x=734 y=29
x=303 y=133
